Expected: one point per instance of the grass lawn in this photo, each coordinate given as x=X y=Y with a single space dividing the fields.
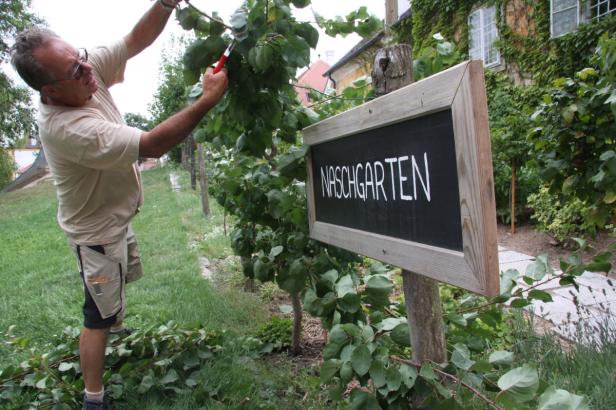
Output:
x=41 y=292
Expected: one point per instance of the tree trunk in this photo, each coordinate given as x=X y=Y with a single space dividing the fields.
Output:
x=203 y=183
x=184 y=156
x=193 y=164
x=513 y=170
x=392 y=70
x=296 y=348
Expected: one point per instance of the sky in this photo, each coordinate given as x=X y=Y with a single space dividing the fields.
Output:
x=88 y=23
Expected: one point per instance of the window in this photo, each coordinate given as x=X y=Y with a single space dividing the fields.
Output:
x=600 y=8
x=483 y=33
x=566 y=15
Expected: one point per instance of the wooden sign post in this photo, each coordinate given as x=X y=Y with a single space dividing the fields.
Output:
x=407 y=179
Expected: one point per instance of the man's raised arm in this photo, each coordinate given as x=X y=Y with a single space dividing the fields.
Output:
x=149 y=26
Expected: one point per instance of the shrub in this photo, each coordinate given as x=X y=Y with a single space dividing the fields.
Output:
x=558 y=216
x=575 y=138
x=276 y=334
x=7 y=167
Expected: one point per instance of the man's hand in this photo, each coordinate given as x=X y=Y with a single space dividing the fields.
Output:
x=169 y=4
x=214 y=85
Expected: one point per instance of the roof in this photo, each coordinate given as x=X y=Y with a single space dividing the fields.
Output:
x=357 y=50
x=312 y=78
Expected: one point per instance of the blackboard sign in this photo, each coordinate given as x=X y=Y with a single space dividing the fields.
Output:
x=407 y=179
x=400 y=180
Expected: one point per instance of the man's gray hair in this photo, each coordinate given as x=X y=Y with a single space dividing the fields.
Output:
x=29 y=69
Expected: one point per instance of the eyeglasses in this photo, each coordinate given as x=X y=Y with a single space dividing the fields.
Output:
x=77 y=73
x=82 y=56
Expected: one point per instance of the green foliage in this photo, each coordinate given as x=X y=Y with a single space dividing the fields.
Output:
x=138 y=121
x=433 y=59
x=359 y=21
x=170 y=97
x=574 y=139
x=560 y=216
x=7 y=167
x=510 y=108
x=275 y=335
x=16 y=113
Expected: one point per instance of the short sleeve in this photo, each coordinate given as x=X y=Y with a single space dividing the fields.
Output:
x=100 y=144
x=110 y=62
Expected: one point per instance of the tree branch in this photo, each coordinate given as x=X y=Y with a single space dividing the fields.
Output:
x=476 y=392
x=208 y=16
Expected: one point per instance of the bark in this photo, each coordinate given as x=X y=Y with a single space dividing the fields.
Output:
x=297 y=324
x=393 y=70
x=193 y=164
x=203 y=183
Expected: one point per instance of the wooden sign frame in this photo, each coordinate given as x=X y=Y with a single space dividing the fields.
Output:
x=462 y=90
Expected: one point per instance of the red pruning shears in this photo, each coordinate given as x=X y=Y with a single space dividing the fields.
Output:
x=224 y=57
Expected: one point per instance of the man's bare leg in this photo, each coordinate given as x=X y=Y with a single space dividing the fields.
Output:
x=92 y=344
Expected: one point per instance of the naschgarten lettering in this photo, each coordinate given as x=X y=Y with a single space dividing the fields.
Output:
x=367 y=180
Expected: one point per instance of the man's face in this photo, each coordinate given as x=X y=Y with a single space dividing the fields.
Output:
x=74 y=82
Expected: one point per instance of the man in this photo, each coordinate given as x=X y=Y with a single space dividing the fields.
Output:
x=92 y=156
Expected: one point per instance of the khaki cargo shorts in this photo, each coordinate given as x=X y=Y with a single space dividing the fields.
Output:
x=105 y=270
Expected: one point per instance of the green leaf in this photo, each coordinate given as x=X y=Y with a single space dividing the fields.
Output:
x=345 y=285
x=286 y=309
x=540 y=295
x=377 y=374
x=170 y=377
x=346 y=372
x=337 y=335
x=558 y=399
x=276 y=250
x=146 y=384
x=394 y=379
x=308 y=33
x=457 y=319
x=409 y=375
x=519 y=303
x=65 y=366
x=389 y=323
x=263 y=57
x=520 y=383
x=350 y=303
x=378 y=289
x=610 y=197
x=300 y=4
x=347 y=352
x=361 y=359
x=427 y=372
x=216 y=26
x=239 y=20
x=536 y=270
x=329 y=369
x=508 y=281
x=461 y=357
x=41 y=384
x=401 y=335
x=361 y=400
x=501 y=357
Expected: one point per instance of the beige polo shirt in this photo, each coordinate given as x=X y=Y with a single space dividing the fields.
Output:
x=92 y=156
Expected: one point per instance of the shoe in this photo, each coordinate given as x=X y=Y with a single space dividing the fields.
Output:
x=125 y=331
x=106 y=404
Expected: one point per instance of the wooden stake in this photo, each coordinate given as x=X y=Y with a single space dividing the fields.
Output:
x=392 y=70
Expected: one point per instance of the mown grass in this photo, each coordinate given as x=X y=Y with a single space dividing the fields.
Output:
x=41 y=292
